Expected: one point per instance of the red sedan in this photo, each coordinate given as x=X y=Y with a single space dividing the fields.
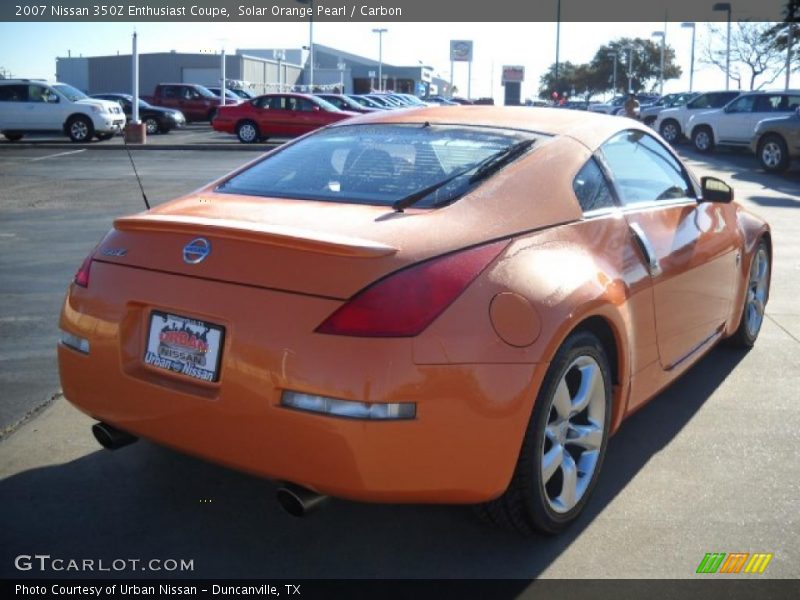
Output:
x=277 y=115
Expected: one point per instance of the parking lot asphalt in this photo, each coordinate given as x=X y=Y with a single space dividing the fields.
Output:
x=708 y=466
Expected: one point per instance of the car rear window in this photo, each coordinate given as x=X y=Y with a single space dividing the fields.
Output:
x=377 y=164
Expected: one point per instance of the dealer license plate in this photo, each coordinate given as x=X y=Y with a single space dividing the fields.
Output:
x=182 y=345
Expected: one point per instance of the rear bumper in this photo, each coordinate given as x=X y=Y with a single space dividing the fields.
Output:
x=461 y=447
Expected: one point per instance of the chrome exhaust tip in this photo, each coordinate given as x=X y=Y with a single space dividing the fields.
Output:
x=297 y=500
x=110 y=437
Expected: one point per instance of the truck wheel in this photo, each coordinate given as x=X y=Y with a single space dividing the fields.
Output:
x=670 y=131
x=773 y=153
x=80 y=129
x=212 y=114
x=703 y=139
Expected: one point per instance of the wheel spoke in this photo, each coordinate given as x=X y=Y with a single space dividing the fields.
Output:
x=588 y=436
x=561 y=400
x=551 y=461
x=590 y=377
x=569 y=486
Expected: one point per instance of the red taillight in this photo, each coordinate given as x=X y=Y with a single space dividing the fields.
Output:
x=406 y=302
x=82 y=276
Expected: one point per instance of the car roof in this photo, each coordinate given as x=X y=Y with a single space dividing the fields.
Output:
x=590 y=129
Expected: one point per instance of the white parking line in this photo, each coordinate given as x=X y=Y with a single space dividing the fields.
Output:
x=59 y=154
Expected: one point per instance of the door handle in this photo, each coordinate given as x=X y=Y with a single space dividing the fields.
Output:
x=646 y=248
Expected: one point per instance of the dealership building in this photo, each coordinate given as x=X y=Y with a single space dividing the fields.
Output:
x=257 y=70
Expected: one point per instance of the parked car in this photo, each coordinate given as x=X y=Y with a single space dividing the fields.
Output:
x=607 y=107
x=196 y=102
x=36 y=106
x=155 y=118
x=444 y=306
x=671 y=122
x=644 y=100
x=441 y=100
x=384 y=100
x=649 y=112
x=734 y=124
x=364 y=101
x=277 y=115
x=776 y=141
x=344 y=102
x=237 y=94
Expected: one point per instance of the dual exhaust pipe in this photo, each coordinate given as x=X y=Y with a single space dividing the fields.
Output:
x=296 y=500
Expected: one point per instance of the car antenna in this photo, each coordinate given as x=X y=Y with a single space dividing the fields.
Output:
x=135 y=172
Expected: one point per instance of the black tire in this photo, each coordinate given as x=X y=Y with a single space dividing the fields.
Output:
x=151 y=126
x=104 y=136
x=525 y=506
x=212 y=114
x=13 y=137
x=649 y=121
x=747 y=331
x=773 y=154
x=670 y=130
x=247 y=132
x=80 y=129
x=703 y=139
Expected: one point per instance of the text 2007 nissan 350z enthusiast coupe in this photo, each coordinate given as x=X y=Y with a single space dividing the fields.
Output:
x=452 y=305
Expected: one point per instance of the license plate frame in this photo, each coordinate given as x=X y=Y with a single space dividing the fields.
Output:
x=184 y=345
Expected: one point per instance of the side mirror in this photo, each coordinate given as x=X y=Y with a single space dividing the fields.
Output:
x=316 y=108
x=715 y=190
x=51 y=98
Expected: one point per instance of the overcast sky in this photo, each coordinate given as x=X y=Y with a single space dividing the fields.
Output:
x=30 y=49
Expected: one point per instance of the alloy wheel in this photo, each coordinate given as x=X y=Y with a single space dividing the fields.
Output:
x=573 y=435
x=757 y=292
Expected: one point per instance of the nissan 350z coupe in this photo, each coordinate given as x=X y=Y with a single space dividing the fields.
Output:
x=443 y=305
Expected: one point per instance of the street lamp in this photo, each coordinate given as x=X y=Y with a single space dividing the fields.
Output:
x=310 y=43
x=280 y=56
x=341 y=66
x=558 y=38
x=613 y=56
x=630 y=68
x=380 y=33
x=691 y=64
x=663 y=36
x=726 y=7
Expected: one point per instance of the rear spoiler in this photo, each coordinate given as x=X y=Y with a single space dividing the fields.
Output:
x=275 y=235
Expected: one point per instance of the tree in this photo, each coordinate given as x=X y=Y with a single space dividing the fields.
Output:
x=778 y=36
x=598 y=75
x=646 y=63
x=751 y=47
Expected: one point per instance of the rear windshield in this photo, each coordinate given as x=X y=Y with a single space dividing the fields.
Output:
x=377 y=164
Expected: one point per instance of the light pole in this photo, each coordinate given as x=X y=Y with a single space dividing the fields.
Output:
x=630 y=69
x=310 y=44
x=663 y=36
x=726 y=7
x=280 y=56
x=613 y=56
x=558 y=38
x=691 y=63
x=341 y=66
x=380 y=33
x=789 y=33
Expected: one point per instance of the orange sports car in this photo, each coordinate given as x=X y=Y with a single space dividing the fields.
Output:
x=451 y=305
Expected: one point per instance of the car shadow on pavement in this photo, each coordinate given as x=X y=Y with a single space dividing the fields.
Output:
x=145 y=501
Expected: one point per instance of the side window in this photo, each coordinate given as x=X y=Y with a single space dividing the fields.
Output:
x=36 y=93
x=643 y=170
x=304 y=105
x=591 y=188
x=744 y=104
x=169 y=91
x=793 y=103
x=768 y=103
x=277 y=103
x=703 y=101
x=13 y=93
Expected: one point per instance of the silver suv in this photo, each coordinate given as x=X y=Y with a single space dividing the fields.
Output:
x=36 y=106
